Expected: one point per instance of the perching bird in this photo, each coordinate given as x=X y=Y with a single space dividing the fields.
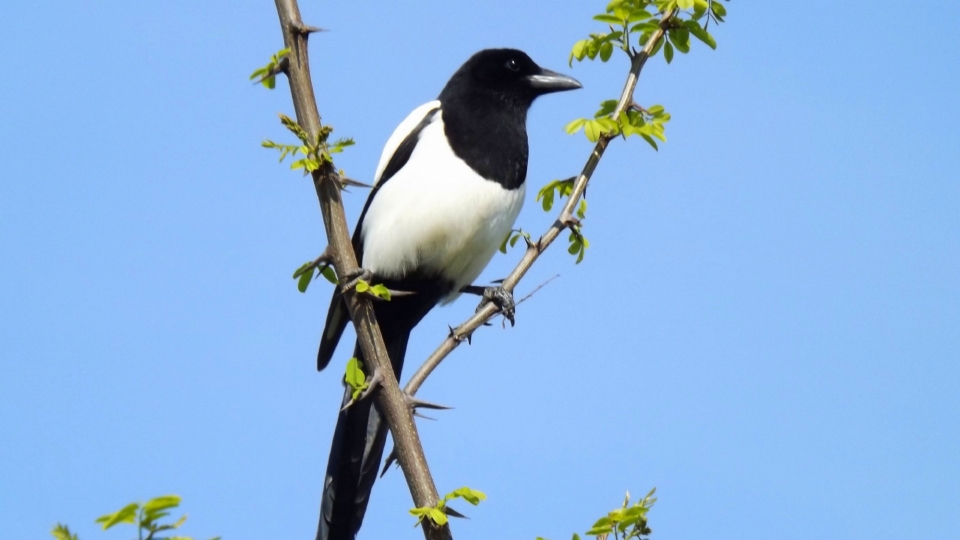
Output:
x=447 y=191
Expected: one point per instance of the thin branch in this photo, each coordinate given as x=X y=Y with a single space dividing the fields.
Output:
x=537 y=289
x=564 y=220
x=327 y=184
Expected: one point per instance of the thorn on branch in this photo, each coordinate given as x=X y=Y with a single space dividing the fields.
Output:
x=391 y=459
x=459 y=338
x=453 y=513
x=414 y=403
x=306 y=30
x=344 y=182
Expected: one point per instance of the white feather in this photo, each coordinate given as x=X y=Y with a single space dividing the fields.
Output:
x=437 y=214
x=400 y=133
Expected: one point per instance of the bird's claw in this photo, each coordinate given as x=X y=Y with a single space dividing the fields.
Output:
x=501 y=298
x=350 y=279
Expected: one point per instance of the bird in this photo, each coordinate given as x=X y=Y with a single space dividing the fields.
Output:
x=447 y=190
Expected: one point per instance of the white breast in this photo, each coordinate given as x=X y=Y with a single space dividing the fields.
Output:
x=437 y=214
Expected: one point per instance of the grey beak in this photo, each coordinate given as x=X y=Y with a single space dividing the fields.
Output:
x=550 y=81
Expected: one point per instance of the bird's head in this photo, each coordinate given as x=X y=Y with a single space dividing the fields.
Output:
x=509 y=73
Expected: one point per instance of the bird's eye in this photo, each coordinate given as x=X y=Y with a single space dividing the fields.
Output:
x=513 y=65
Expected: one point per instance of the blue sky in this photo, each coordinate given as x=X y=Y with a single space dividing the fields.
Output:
x=766 y=326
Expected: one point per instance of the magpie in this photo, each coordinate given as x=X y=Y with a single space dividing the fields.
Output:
x=447 y=190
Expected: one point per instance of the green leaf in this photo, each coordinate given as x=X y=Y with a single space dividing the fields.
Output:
x=606 y=51
x=355 y=378
x=579 y=51
x=592 y=130
x=668 y=52
x=606 y=108
x=437 y=516
x=161 y=503
x=685 y=4
x=609 y=19
x=718 y=10
x=575 y=126
x=639 y=14
x=340 y=144
x=380 y=291
x=328 y=273
x=304 y=281
x=303 y=268
x=650 y=140
x=62 y=532
x=127 y=514
x=472 y=496
x=503 y=245
x=362 y=286
x=701 y=34
x=680 y=37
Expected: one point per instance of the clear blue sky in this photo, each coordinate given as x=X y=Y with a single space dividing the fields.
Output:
x=766 y=326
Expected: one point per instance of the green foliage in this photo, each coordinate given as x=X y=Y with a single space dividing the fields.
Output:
x=626 y=18
x=647 y=123
x=316 y=152
x=310 y=270
x=629 y=522
x=557 y=188
x=355 y=378
x=512 y=237
x=578 y=243
x=378 y=291
x=437 y=514
x=146 y=517
x=62 y=532
x=268 y=73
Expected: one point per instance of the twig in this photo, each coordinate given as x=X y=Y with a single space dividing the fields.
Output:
x=327 y=184
x=540 y=286
x=564 y=220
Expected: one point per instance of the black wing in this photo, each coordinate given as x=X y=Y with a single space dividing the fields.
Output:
x=337 y=314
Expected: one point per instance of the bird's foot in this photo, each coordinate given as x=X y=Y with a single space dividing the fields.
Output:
x=350 y=279
x=499 y=296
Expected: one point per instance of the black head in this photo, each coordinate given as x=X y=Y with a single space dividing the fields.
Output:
x=509 y=74
x=485 y=107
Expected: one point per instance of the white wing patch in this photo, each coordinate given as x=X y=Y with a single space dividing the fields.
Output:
x=436 y=213
x=409 y=124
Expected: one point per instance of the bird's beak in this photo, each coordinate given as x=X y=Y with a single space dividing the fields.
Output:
x=550 y=81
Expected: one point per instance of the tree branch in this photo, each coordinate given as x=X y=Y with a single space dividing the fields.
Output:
x=564 y=220
x=327 y=184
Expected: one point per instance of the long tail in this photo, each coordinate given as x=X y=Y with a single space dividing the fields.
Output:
x=355 y=457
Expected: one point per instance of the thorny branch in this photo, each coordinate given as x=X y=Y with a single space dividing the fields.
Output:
x=564 y=220
x=391 y=400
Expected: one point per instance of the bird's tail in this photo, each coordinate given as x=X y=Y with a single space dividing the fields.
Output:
x=355 y=455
